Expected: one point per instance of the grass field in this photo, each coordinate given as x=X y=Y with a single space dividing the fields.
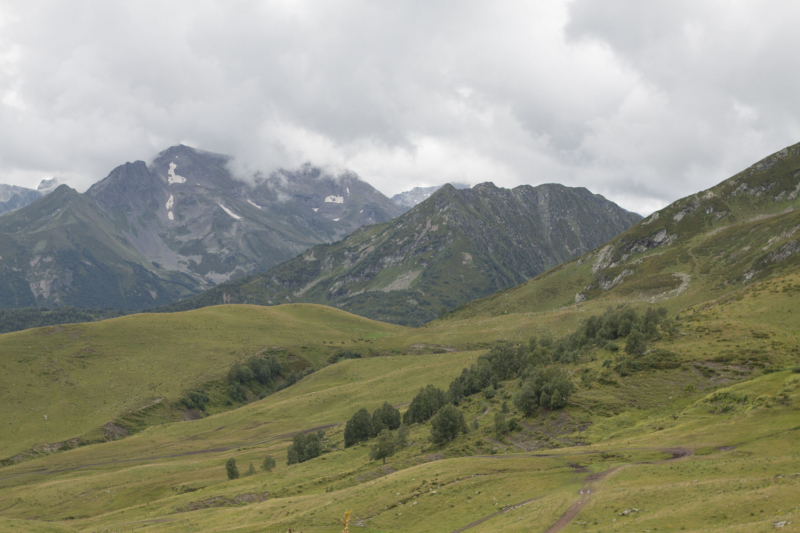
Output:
x=708 y=444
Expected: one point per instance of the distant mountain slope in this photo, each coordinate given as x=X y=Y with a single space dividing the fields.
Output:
x=452 y=248
x=186 y=213
x=412 y=197
x=146 y=236
x=63 y=250
x=701 y=247
x=13 y=197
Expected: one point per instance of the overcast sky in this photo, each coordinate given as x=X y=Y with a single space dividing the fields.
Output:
x=643 y=102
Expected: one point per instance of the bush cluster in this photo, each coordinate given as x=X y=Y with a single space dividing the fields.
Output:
x=304 y=447
x=362 y=426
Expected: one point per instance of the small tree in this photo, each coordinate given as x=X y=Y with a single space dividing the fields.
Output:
x=499 y=424
x=358 y=428
x=424 y=405
x=385 y=417
x=251 y=470
x=268 y=464
x=401 y=438
x=384 y=447
x=527 y=399
x=636 y=343
x=230 y=467
x=447 y=423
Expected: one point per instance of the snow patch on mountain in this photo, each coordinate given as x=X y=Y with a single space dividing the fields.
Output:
x=231 y=213
x=172 y=177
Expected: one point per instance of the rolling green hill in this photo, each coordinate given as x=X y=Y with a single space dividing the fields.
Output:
x=455 y=246
x=705 y=445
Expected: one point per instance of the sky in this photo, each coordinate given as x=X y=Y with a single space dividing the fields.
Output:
x=642 y=102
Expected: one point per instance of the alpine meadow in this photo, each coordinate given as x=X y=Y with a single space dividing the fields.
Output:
x=461 y=367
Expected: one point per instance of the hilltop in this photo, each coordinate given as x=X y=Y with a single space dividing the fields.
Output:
x=455 y=246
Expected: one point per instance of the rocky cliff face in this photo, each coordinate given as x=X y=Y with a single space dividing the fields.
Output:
x=186 y=213
x=452 y=248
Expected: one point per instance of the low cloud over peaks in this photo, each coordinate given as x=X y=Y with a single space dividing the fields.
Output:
x=641 y=103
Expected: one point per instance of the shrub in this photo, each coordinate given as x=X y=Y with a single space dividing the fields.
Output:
x=489 y=392
x=304 y=448
x=636 y=343
x=251 y=470
x=447 y=423
x=549 y=387
x=499 y=424
x=196 y=399
x=268 y=464
x=230 y=468
x=401 y=438
x=237 y=393
x=384 y=446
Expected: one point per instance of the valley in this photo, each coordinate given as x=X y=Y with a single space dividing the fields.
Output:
x=651 y=383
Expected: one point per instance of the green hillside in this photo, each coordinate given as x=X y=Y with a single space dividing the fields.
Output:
x=83 y=376
x=731 y=426
x=455 y=246
x=699 y=248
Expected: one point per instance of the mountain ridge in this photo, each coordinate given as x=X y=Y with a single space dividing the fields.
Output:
x=455 y=246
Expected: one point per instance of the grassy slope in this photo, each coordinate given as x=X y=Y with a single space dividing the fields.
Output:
x=84 y=375
x=759 y=216
x=143 y=483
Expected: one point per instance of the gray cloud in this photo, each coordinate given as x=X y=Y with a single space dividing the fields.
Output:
x=641 y=102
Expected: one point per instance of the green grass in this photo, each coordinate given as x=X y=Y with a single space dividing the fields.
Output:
x=741 y=422
x=83 y=376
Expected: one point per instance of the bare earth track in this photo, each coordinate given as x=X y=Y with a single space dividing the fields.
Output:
x=584 y=495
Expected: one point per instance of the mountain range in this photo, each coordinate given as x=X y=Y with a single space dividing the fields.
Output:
x=149 y=234
x=454 y=247
x=699 y=248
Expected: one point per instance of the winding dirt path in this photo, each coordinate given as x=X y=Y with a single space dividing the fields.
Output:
x=586 y=492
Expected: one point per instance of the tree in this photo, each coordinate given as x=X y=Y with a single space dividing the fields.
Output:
x=401 y=439
x=424 y=405
x=230 y=467
x=358 y=428
x=549 y=387
x=251 y=470
x=636 y=343
x=268 y=464
x=237 y=392
x=527 y=399
x=447 y=423
x=383 y=447
x=499 y=424
x=385 y=417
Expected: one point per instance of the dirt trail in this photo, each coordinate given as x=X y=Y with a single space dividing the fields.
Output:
x=585 y=494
